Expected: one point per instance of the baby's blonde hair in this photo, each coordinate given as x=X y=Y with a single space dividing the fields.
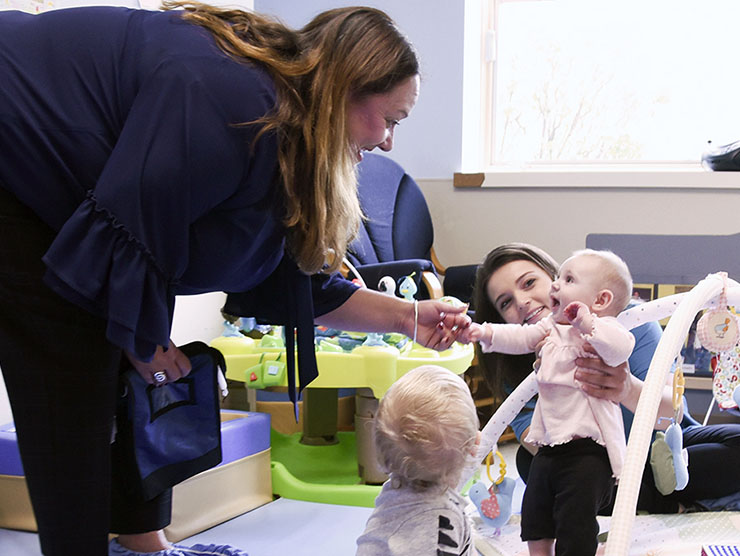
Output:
x=616 y=277
x=426 y=428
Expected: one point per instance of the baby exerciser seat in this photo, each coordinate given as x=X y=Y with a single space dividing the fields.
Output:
x=709 y=293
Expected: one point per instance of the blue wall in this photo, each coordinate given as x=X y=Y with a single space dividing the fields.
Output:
x=428 y=143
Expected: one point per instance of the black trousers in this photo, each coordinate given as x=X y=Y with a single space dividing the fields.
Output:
x=714 y=461
x=714 y=469
x=62 y=380
x=567 y=485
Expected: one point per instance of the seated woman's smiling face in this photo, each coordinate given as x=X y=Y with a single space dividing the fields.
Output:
x=520 y=292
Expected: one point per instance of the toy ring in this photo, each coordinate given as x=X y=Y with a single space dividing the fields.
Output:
x=159 y=377
x=502 y=467
x=679 y=383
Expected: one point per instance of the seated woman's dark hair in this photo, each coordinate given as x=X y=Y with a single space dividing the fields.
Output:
x=504 y=372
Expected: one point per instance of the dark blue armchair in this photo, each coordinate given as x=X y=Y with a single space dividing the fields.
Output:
x=396 y=237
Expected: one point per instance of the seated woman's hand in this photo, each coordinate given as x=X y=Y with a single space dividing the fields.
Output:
x=602 y=381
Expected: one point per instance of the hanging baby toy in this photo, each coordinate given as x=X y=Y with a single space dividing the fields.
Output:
x=494 y=503
x=407 y=287
x=718 y=332
x=668 y=458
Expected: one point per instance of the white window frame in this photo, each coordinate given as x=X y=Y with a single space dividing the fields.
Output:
x=479 y=87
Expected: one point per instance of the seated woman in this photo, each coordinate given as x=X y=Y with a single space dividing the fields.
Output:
x=512 y=286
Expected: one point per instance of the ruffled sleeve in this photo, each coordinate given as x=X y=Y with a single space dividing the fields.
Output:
x=99 y=265
x=179 y=157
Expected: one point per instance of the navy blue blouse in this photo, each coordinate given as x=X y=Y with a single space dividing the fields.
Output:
x=119 y=129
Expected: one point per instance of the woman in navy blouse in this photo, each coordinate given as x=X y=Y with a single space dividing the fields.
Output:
x=149 y=154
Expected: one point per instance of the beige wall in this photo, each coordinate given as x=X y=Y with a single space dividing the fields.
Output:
x=470 y=222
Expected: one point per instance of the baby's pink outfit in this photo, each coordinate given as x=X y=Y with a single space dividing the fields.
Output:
x=563 y=411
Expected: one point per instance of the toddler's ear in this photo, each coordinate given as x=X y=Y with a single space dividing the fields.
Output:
x=603 y=299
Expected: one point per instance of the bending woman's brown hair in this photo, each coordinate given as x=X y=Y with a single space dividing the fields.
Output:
x=341 y=54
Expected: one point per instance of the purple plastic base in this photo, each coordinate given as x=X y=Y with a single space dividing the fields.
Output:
x=10 y=457
x=242 y=436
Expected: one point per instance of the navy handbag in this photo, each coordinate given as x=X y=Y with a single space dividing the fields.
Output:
x=166 y=434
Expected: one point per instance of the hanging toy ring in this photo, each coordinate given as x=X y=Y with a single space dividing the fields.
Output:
x=679 y=385
x=502 y=467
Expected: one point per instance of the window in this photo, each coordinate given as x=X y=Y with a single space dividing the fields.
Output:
x=605 y=81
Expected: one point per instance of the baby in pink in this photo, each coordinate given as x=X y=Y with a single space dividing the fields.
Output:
x=571 y=428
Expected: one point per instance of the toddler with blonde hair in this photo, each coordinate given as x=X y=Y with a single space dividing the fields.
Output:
x=426 y=431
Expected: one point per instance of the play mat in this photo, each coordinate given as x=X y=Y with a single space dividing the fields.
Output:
x=652 y=535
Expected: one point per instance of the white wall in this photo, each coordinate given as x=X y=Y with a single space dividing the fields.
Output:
x=197 y=317
x=5 y=414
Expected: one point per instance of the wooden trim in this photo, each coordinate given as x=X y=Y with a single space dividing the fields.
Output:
x=438 y=266
x=698 y=383
x=432 y=283
x=468 y=180
x=350 y=272
x=508 y=436
x=484 y=402
x=599 y=176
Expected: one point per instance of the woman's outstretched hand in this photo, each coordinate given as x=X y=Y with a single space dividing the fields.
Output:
x=440 y=323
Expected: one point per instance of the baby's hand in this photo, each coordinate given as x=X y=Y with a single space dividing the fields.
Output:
x=571 y=311
x=579 y=315
x=472 y=333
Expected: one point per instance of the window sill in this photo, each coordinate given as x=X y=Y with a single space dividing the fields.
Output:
x=691 y=176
